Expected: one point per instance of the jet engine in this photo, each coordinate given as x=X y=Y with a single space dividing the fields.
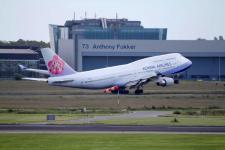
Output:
x=165 y=81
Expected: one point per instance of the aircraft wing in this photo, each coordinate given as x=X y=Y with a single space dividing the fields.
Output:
x=141 y=79
x=36 y=79
x=23 y=68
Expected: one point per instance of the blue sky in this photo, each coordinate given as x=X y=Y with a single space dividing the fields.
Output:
x=185 y=19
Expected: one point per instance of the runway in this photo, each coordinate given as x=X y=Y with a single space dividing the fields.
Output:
x=110 y=128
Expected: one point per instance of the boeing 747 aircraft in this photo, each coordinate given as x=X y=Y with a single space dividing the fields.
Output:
x=117 y=79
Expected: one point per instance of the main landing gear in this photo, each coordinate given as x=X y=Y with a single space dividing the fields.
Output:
x=138 y=91
x=121 y=91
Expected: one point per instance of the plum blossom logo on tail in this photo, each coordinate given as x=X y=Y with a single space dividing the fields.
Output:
x=56 y=65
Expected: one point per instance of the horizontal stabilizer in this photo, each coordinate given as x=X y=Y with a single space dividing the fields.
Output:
x=61 y=81
x=23 y=68
x=36 y=79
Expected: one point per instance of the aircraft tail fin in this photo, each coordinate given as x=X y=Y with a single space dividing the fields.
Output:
x=56 y=66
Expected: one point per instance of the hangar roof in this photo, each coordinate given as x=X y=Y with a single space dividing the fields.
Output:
x=17 y=51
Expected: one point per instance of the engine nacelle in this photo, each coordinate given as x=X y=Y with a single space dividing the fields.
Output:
x=165 y=81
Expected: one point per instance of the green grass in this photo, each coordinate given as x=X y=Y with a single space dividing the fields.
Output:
x=38 y=95
x=111 y=142
x=11 y=118
x=182 y=120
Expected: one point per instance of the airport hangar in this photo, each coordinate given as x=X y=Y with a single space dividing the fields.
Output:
x=96 y=43
x=11 y=56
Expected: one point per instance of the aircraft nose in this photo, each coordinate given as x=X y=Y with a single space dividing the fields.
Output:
x=189 y=62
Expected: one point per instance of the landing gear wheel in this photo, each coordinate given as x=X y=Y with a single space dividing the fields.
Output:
x=137 y=92
x=176 y=81
x=124 y=92
x=120 y=92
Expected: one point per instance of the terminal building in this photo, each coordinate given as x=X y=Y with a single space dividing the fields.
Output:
x=96 y=43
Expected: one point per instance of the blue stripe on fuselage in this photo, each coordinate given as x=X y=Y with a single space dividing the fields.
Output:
x=178 y=69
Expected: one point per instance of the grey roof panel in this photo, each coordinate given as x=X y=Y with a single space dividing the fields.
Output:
x=17 y=51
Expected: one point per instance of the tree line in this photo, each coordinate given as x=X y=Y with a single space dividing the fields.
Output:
x=28 y=43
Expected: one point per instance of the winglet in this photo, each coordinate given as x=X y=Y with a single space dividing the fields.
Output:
x=22 y=67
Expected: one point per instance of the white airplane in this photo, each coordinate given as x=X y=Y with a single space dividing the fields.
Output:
x=115 y=79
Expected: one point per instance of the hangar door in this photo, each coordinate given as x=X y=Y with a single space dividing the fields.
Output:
x=207 y=68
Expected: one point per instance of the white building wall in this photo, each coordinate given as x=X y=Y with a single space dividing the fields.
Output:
x=67 y=51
